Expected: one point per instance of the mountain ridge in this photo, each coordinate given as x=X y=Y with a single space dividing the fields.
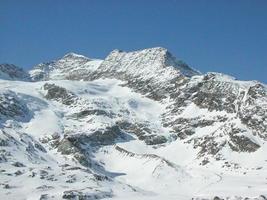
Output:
x=12 y=72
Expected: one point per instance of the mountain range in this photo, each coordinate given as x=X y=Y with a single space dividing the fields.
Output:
x=136 y=125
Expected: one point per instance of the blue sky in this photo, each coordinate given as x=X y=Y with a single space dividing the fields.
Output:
x=224 y=36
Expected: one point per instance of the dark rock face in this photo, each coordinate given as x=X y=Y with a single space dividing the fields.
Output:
x=73 y=195
x=67 y=146
x=106 y=137
x=241 y=143
x=97 y=112
x=228 y=135
x=209 y=93
x=208 y=146
x=254 y=113
x=60 y=94
x=217 y=198
x=2 y=157
x=11 y=106
x=71 y=143
x=18 y=164
x=42 y=71
x=256 y=91
x=46 y=197
x=142 y=132
x=81 y=145
x=184 y=127
x=12 y=72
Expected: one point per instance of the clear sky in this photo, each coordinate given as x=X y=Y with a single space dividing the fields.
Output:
x=228 y=36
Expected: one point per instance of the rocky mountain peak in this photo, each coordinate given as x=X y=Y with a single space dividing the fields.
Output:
x=74 y=56
x=153 y=72
x=155 y=69
x=12 y=72
x=151 y=59
x=70 y=66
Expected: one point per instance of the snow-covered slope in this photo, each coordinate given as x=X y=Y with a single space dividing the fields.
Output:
x=137 y=125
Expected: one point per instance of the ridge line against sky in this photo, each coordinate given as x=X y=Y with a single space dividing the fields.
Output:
x=222 y=36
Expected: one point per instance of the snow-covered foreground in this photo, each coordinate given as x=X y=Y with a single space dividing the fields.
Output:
x=36 y=164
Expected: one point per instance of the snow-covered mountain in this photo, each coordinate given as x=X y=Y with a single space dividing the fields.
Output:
x=70 y=66
x=12 y=72
x=136 y=125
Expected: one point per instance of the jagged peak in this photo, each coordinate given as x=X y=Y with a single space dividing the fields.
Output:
x=219 y=76
x=72 y=55
x=11 y=71
x=150 y=58
x=8 y=65
x=224 y=79
x=153 y=49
